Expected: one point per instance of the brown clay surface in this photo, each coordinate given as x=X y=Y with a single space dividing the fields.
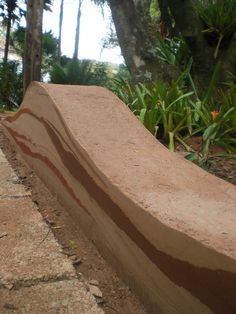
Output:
x=88 y=263
x=35 y=276
x=146 y=208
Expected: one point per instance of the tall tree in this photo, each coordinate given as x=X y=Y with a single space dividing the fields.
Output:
x=60 y=29
x=49 y=47
x=33 y=42
x=77 y=33
x=191 y=28
x=208 y=28
x=10 y=12
x=136 y=45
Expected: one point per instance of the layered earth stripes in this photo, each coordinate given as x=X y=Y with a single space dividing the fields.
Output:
x=167 y=226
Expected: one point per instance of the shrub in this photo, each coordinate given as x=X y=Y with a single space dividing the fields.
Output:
x=164 y=109
x=11 y=85
x=219 y=18
x=171 y=113
x=80 y=72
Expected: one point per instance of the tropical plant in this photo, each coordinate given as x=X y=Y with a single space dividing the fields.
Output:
x=173 y=51
x=172 y=113
x=228 y=100
x=79 y=72
x=17 y=39
x=217 y=131
x=49 y=51
x=123 y=89
x=10 y=12
x=214 y=116
x=164 y=109
x=10 y=85
x=219 y=18
x=49 y=47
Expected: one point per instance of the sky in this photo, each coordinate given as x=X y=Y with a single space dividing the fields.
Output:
x=93 y=27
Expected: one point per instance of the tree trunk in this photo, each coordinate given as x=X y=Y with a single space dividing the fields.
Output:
x=60 y=29
x=7 y=41
x=228 y=65
x=143 y=9
x=166 y=19
x=202 y=50
x=77 y=33
x=33 y=42
x=191 y=29
x=136 y=47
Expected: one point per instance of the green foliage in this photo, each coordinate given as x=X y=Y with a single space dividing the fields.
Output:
x=122 y=72
x=49 y=47
x=163 y=109
x=48 y=5
x=216 y=128
x=17 y=39
x=173 y=51
x=110 y=40
x=11 y=90
x=171 y=113
x=219 y=18
x=80 y=72
x=154 y=12
x=49 y=51
x=228 y=100
x=49 y=43
x=10 y=10
x=123 y=89
x=214 y=117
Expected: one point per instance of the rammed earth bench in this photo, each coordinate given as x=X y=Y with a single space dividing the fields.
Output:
x=167 y=226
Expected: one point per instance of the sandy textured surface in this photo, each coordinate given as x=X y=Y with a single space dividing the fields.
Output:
x=165 y=224
x=62 y=297
x=35 y=277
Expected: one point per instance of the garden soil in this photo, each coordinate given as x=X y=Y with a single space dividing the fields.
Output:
x=223 y=168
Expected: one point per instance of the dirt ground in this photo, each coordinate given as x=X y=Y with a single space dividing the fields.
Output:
x=223 y=168
x=116 y=296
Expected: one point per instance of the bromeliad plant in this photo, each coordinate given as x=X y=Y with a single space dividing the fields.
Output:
x=170 y=113
x=173 y=51
x=217 y=131
x=215 y=118
x=164 y=110
x=219 y=18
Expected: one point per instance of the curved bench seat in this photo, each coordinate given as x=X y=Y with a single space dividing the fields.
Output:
x=167 y=226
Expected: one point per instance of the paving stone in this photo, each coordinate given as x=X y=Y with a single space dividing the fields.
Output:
x=35 y=276
x=29 y=252
x=51 y=298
